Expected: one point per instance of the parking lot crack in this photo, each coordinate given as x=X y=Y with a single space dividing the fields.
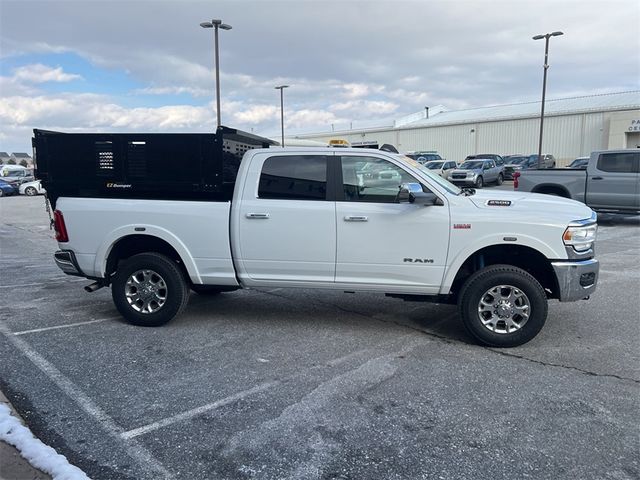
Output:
x=450 y=341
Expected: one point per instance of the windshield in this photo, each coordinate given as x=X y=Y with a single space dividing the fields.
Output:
x=411 y=163
x=433 y=165
x=471 y=165
x=517 y=160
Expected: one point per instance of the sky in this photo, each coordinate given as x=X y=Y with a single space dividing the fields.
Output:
x=147 y=66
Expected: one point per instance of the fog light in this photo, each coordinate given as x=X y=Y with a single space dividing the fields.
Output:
x=587 y=279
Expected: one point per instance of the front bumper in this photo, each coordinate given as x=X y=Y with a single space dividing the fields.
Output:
x=464 y=181
x=576 y=280
x=66 y=261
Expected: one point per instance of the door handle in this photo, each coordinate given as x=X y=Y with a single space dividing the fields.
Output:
x=258 y=216
x=596 y=178
x=356 y=218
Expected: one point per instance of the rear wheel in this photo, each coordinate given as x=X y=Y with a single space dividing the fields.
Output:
x=499 y=180
x=503 y=306
x=149 y=289
x=31 y=191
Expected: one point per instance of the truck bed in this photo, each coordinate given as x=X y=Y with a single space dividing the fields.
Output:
x=197 y=230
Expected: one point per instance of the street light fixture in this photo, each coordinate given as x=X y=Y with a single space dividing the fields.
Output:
x=546 y=36
x=281 y=88
x=216 y=24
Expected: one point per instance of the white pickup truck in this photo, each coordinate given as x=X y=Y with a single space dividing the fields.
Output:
x=156 y=215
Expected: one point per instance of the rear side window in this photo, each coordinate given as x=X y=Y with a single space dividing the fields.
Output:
x=618 y=162
x=296 y=177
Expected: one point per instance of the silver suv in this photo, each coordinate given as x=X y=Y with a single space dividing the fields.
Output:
x=476 y=173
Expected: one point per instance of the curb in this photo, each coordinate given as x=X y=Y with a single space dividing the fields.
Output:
x=23 y=456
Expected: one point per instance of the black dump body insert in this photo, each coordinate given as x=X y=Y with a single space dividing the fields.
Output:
x=161 y=166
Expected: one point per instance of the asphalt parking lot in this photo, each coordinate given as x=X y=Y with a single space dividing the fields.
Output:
x=298 y=384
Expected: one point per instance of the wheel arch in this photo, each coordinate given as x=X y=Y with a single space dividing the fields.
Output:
x=525 y=257
x=123 y=244
x=552 y=188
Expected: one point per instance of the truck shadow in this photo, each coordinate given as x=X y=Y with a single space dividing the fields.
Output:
x=615 y=219
x=300 y=309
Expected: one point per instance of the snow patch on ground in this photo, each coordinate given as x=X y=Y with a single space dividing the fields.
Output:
x=34 y=451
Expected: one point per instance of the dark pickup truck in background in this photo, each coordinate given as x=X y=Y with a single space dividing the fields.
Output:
x=610 y=183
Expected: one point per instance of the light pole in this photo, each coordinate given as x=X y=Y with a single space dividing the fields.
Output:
x=281 y=88
x=215 y=24
x=546 y=37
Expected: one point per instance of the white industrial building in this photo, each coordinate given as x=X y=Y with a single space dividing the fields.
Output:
x=573 y=127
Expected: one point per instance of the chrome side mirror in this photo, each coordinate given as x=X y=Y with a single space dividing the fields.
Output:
x=412 y=192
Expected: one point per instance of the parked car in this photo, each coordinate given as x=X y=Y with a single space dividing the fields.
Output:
x=477 y=173
x=7 y=188
x=424 y=157
x=491 y=156
x=548 y=160
x=517 y=163
x=441 y=167
x=580 y=163
x=16 y=174
x=610 y=183
x=32 y=188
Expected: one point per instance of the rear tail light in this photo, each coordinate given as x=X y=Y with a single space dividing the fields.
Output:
x=60 y=227
x=516 y=175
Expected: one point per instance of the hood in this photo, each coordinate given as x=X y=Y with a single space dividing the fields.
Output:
x=548 y=208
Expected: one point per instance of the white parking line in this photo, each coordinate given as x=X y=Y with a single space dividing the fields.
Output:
x=133 y=448
x=197 y=411
x=44 y=329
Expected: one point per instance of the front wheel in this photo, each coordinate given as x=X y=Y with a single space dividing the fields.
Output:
x=479 y=182
x=503 y=306
x=149 y=289
x=30 y=191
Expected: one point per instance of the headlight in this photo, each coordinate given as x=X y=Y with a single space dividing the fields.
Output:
x=580 y=238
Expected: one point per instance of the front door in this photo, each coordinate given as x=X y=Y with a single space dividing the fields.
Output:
x=613 y=182
x=382 y=244
x=286 y=224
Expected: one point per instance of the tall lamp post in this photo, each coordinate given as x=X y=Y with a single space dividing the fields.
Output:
x=546 y=37
x=281 y=88
x=216 y=24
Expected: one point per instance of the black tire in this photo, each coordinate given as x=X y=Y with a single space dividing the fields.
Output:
x=1 y=193
x=176 y=291
x=480 y=283
x=479 y=182
x=500 y=180
x=30 y=191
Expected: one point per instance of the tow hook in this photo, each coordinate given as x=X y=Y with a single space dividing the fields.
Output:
x=94 y=286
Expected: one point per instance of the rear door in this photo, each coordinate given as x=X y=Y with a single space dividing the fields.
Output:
x=382 y=244
x=613 y=182
x=286 y=221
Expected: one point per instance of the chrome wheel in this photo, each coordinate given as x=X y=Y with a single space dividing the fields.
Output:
x=504 y=309
x=146 y=291
x=31 y=191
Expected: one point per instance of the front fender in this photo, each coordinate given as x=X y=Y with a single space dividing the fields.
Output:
x=153 y=231
x=492 y=240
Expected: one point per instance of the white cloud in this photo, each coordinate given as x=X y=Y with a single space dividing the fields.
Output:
x=38 y=73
